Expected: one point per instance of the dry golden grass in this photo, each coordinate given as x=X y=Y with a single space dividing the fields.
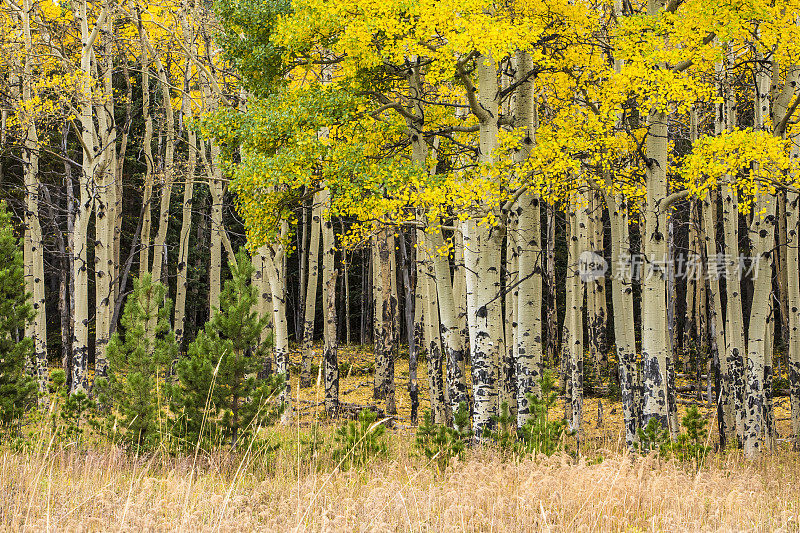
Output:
x=68 y=489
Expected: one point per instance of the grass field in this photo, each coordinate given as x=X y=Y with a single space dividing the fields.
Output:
x=96 y=487
x=101 y=490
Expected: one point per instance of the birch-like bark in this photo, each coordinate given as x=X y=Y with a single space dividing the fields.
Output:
x=105 y=191
x=378 y=326
x=655 y=344
x=510 y=284
x=179 y=322
x=217 y=229
x=92 y=164
x=330 y=359
x=482 y=257
x=436 y=385
x=578 y=244
x=550 y=285
x=449 y=327
x=762 y=239
x=147 y=145
x=793 y=293
x=527 y=339
x=33 y=252
x=273 y=258
x=791 y=90
x=312 y=275
x=413 y=316
x=388 y=316
x=655 y=341
x=160 y=259
x=622 y=280
x=624 y=324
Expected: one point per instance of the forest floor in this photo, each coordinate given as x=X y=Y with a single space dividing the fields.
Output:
x=295 y=485
x=603 y=420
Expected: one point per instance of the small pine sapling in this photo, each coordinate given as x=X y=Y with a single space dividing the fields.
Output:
x=690 y=446
x=17 y=389
x=440 y=443
x=505 y=435
x=653 y=437
x=134 y=389
x=220 y=396
x=540 y=434
x=359 y=441
x=68 y=411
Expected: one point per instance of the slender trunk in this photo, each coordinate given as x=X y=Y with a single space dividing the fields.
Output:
x=793 y=292
x=217 y=229
x=273 y=260
x=33 y=252
x=160 y=249
x=311 y=274
x=450 y=328
x=182 y=282
x=388 y=310
x=92 y=164
x=412 y=310
x=510 y=292
x=624 y=326
x=762 y=240
x=330 y=350
x=552 y=304
x=430 y=317
x=482 y=249
x=147 y=144
x=377 y=335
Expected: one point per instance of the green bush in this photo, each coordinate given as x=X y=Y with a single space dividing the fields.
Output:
x=70 y=414
x=653 y=438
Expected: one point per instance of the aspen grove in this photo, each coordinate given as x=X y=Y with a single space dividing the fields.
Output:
x=481 y=196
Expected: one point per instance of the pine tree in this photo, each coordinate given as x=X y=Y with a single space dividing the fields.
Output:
x=137 y=366
x=220 y=395
x=16 y=387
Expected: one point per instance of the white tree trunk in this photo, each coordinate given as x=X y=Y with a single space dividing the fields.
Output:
x=762 y=240
x=793 y=293
x=311 y=292
x=450 y=327
x=330 y=360
x=33 y=252
x=182 y=282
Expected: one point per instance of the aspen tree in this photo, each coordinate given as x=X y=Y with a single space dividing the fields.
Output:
x=310 y=307
x=786 y=104
x=793 y=293
x=105 y=201
x=330 y=361
x=762 y=236
x=378 y=337
x=482 y=259
x=430 y=316
x=92 y=165
x=160 y=259
x=33 y=252
x=388 y=310
x=188 y=192
x=528 y=345
x=147 y=145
